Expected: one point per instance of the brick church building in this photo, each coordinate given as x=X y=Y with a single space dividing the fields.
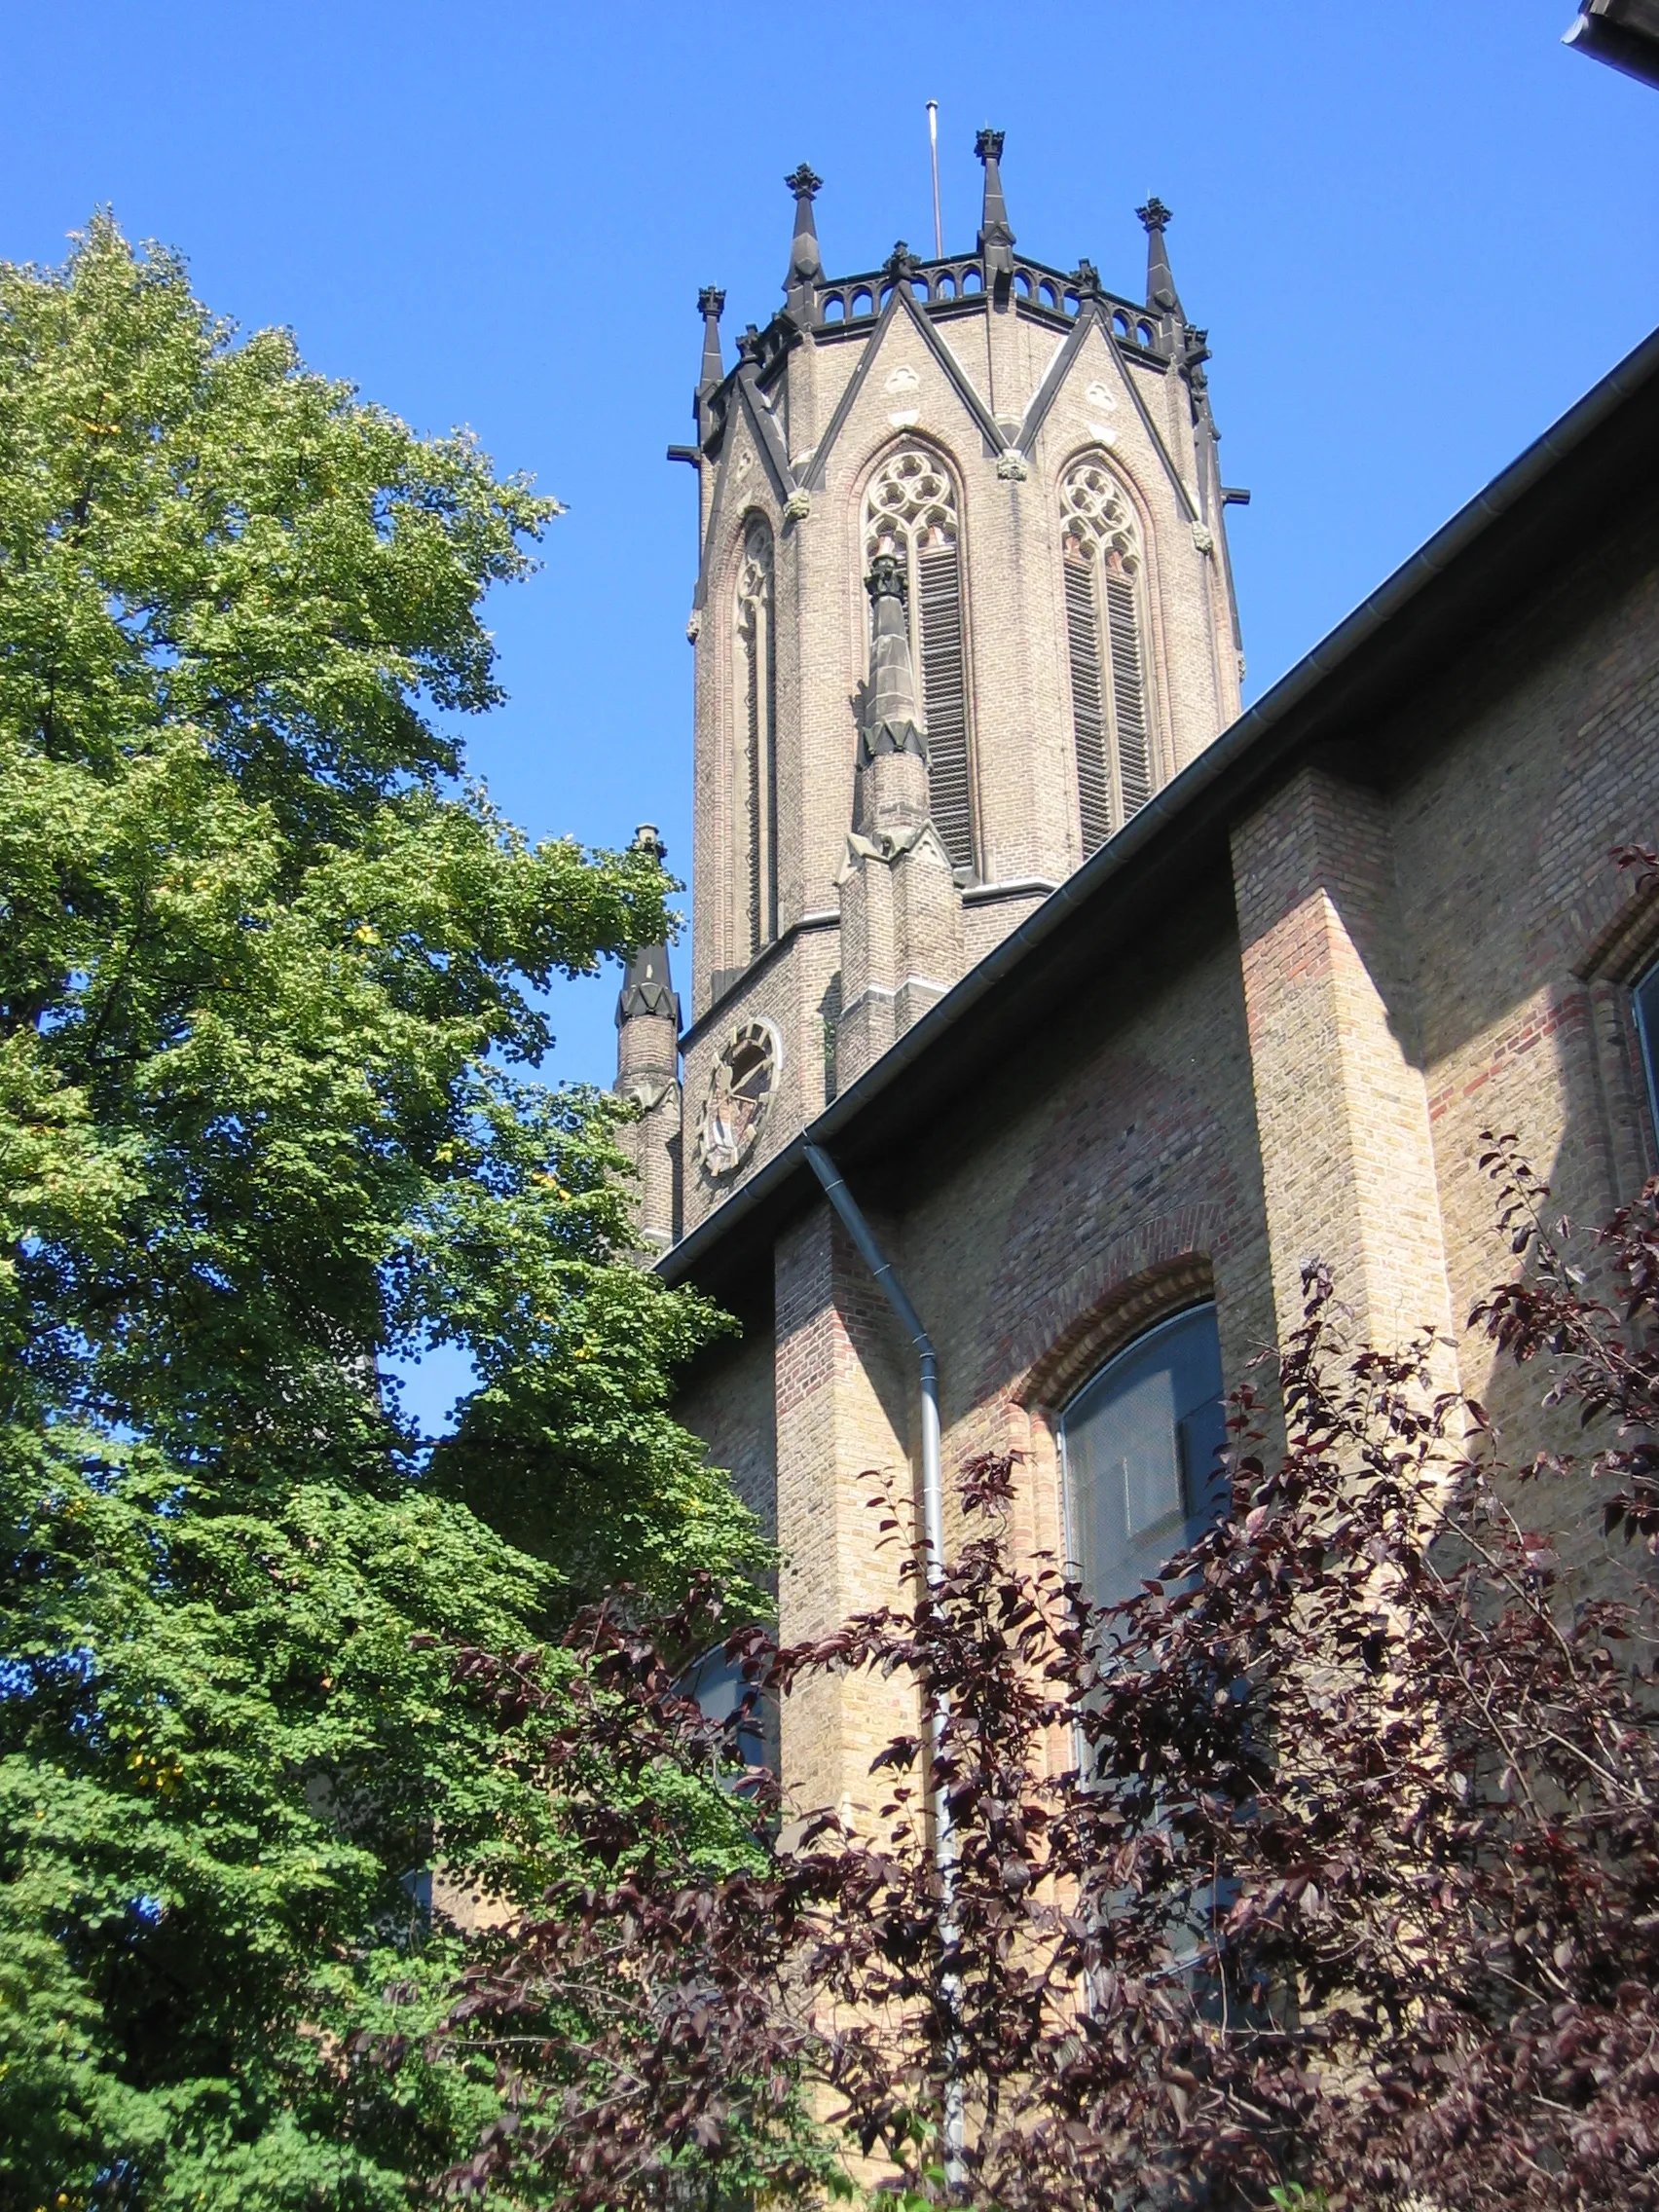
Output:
x=1026 y=965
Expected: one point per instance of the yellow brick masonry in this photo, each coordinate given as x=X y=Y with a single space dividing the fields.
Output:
x=841 y=1439
x=1341 y=1111
x=1298 y=1062
x=1023 y=770
x=1415 y=942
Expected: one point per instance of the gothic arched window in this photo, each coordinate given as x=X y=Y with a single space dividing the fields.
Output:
x=1104 y=637
x=1138 y=1446
x=755 y=799
x=911 y=511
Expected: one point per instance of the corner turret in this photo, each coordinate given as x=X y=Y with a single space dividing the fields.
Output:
x=996 y=239
x=1160 y=292
x=806 y=263
x=648 y=1073
x=711 y=305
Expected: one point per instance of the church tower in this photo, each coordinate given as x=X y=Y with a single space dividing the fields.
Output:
x=963 y=607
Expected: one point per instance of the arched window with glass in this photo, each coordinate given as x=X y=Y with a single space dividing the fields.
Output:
x=1140 y=1446
x=911 y=511
x=755 y=797
x=1645 y=996
x=1104 y=577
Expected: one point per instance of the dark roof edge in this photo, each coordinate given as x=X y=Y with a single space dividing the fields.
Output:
x=1268 y=718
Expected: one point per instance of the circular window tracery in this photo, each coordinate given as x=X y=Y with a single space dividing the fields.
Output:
x=1097 y=515
x=910 y=501
x=742 y=1085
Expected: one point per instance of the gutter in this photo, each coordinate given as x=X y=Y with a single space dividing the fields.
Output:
x=1623 y=33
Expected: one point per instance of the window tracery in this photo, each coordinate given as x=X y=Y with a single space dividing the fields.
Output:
x=1104 y=636
x=910 y=511
x=756 y=796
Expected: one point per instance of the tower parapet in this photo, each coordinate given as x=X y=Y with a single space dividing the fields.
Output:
x=1027 y=463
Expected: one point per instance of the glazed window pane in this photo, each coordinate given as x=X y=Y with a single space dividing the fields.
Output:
x=1140 y=1446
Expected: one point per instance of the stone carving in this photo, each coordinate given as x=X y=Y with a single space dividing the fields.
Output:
x=647 y=1092
x=904 y=379
x=798 y=506
x=1202 y=537
x=741 y=1090
x=1101 y=398
x=1011 y=466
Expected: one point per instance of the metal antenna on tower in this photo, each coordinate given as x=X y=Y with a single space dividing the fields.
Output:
x=932 y=149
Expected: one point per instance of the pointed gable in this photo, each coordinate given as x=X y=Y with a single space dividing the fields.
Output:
x=903 y=339
x=748 y=473
x=1091 y=359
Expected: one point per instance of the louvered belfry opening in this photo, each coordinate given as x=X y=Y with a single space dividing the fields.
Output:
x=1128 y=685
x=1111 y=725
x=1088 y=705
x=911 y=512
x=755 y=792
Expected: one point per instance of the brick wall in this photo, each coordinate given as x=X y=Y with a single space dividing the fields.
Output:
x=1023 y=772
x=1415 y=942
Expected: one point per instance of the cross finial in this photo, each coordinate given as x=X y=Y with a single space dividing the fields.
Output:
x=1154 y=215
x=803 y=184
x=988 y=145
x=711 y=303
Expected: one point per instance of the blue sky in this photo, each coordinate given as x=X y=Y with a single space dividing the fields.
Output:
x=1416 y=233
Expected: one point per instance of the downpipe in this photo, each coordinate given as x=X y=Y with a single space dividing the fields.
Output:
x=851 y=1217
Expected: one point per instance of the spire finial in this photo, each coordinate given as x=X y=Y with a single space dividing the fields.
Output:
x=711 y=303
x=996 y=239
x=806 y=263
x=892 y=721
x=1161 y=290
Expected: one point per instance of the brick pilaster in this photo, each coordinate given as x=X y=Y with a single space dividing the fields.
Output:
x=840 y=1407
x=1347 y=1158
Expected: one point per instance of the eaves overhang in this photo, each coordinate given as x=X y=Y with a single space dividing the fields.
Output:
x=1589 y=465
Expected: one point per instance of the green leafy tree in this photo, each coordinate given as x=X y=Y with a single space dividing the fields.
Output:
x=269 y=1017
